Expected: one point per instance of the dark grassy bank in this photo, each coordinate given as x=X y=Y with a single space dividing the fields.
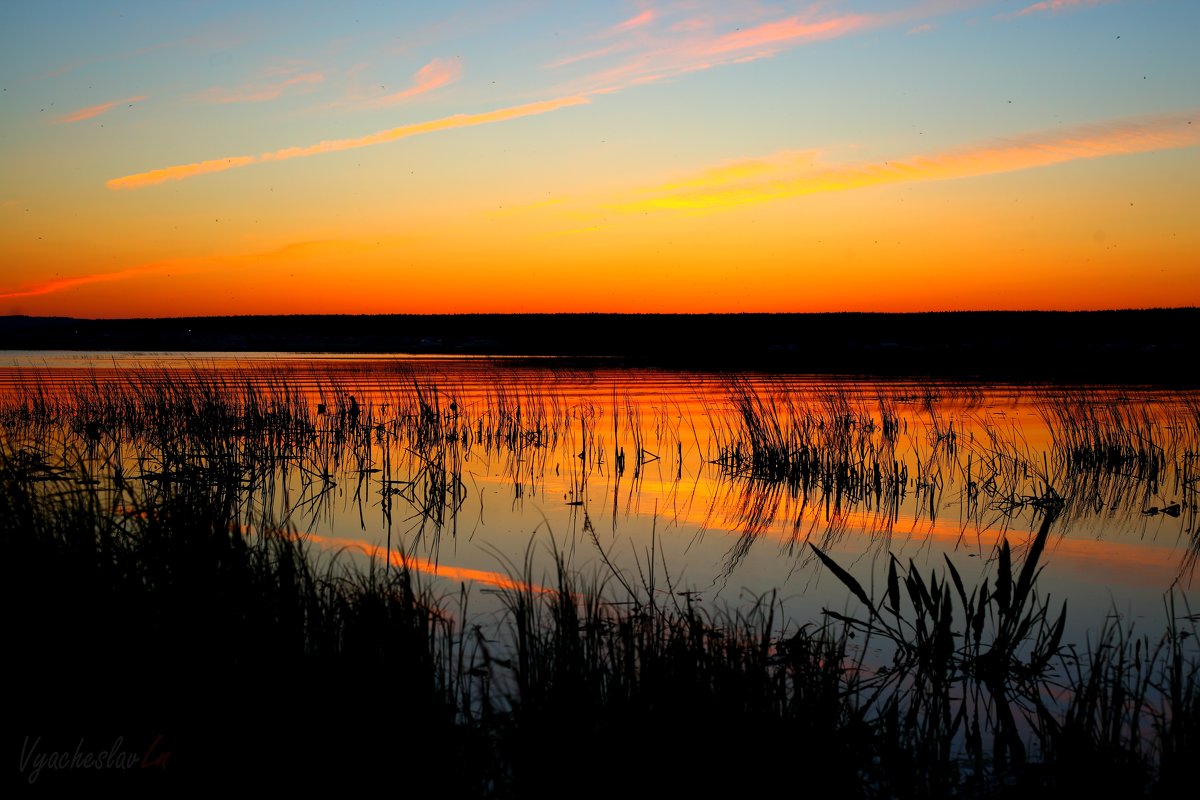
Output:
x=1156 y=345
x=235 y=652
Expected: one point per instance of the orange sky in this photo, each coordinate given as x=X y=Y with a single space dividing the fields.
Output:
x=642 y=156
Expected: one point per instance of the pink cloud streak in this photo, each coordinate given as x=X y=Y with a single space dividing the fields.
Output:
x=437 y=73
x=727 y=33
x=788 y=30
x=1059 y=5
x=697 y=43
x=644 y=18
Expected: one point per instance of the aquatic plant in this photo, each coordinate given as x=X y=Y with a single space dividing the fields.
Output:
x=165 y=613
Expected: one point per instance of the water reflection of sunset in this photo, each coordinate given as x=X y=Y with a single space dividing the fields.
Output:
x=425 y=566
x=466 y=466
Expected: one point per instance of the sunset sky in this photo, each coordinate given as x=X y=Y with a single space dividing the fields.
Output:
x=195 y=158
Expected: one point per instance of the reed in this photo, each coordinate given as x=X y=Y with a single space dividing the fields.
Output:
x=185 y=617
x=833 y=450
x=159 y=559
x=982 y=694
x=170 y=617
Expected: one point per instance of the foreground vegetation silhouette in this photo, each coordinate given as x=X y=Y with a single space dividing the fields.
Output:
x=242 y=654
x=159 y=600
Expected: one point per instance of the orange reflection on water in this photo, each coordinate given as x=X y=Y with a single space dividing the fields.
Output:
x=398 y=559
x=640 y=453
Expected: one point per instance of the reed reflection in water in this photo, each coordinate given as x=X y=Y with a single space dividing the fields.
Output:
x=718 y=482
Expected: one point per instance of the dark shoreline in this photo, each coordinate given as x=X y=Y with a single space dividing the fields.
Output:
x=1156 y=346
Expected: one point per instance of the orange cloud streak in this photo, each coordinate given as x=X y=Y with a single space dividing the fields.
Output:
x=62 y=284
x=791 y=175
x=182 y=265
x=182 y=171
x=98 y=109
x=178 y=173
x=433 y=75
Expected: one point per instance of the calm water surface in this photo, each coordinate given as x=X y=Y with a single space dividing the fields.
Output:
x=472 y=466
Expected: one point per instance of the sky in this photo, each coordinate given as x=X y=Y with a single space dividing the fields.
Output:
x=168 y=159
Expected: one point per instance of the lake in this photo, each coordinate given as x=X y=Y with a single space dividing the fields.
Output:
x=700 y=487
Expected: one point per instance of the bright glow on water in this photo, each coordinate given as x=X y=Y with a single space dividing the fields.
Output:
x=695 y=483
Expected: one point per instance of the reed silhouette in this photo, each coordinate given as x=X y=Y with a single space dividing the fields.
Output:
x=163 y=589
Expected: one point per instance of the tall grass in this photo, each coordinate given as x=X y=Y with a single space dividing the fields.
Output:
x=985 y=674
x=834 y=451
x=164 y=614
x=160 y=585
x=141 y=618
x=779 y=449
x=1111 y=456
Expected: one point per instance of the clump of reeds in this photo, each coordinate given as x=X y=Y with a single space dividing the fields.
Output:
x=259 y=435
x=599 y=675
x=170 y=616
x=982 y=690
x=1108 y=431
x=835 y=450
x=1116 y=451
x=151 y=567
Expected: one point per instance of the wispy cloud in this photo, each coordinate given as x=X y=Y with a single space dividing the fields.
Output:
x=1059 y=5
x=100 y=108
x=182 y=171
x=435 y=74
x=722 y=34
x=922 y=28
x=218 y=35
x=623 y=43
x=701 y=44
x=644 y=18
x=260 y=92
x=55 y=285
x=788 y=31
x=290 y=250
x=793 y=174
x=615 y=47
x=691 y=25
